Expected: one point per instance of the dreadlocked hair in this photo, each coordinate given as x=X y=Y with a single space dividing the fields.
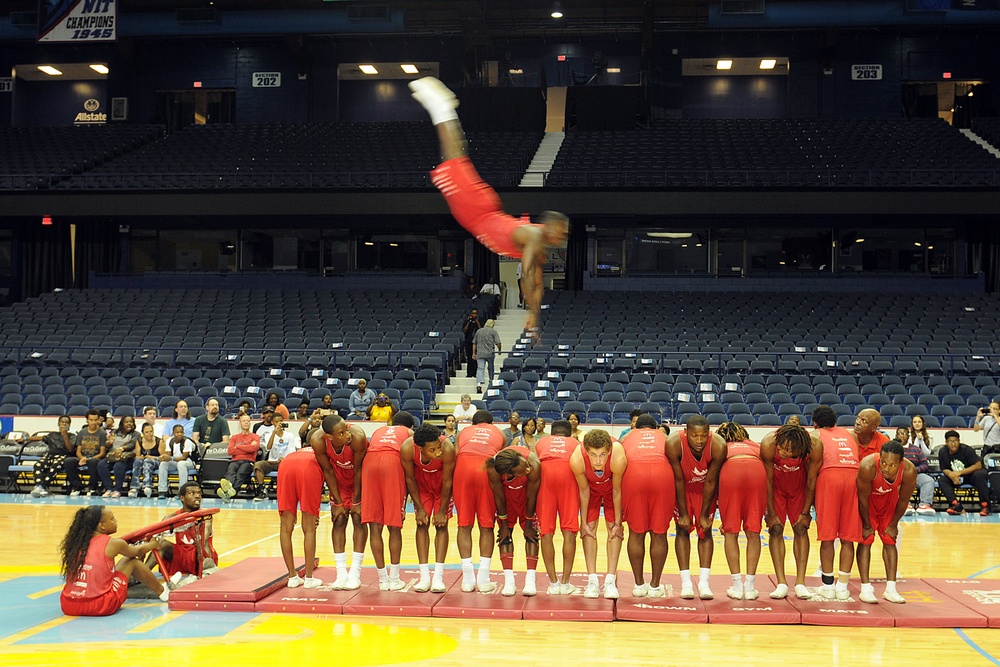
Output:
x=732 y=432
x=505 y=461
x=77 y=541
x=795 y=438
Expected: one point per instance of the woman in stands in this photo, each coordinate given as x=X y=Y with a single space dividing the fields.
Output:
x=121 y=452
x=182 y=417
x=275 y=402
x=574 y=421
x=147 y=460
x=919 y=434
x=527 y=437
x=451 y=428
x=95 y=584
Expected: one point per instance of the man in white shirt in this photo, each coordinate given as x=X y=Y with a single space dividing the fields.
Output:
x=278 y=442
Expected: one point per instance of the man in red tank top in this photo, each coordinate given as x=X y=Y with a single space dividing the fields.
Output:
x=870 y=439
x=559 y=496
x=696 y=458
x=429 y=465
x=598 y=465
x=652 y=485
x=836 y=500
x=383 y=496
x=515 y=474
x=475 y=499
x=791 y=487
x=476 y=205
x=886 y=481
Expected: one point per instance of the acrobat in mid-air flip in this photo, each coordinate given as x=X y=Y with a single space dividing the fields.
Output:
x=476 y=205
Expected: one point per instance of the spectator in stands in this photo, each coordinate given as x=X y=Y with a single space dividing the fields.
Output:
x=61 y=444
x=463 y=411
x=469 y=290
x=266 y=419
x=315 y=421
x=244 y=407
x=635 y=414
x=491 y=290
x=149 y=415
x=917 y=453
x=514 y=430
x=491 y=287
x=574 y=421
x=520 y=288
x=182 y=417
x=121 y=452
x=274 y=401
x=175 y=457
x=539 y=427
x=665 y=427
x=211 y=428
x=485 y=346
x=243 y=449
x=793 y=420
x=147 y=459
x=527 y=437
x=918 y=434
x=382 y=410
x=989 y=424
x=361 y=399
x=961 y=465
x=279 y=444
x=303 y=411
x=91 y=447
x=450 y=430
x=327 y=407
x=109 y=423
x=469 y=329
x=476 y=206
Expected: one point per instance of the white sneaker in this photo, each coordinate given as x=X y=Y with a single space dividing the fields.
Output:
x=74 y=493
x=909 y=510
x=396 y=584
x=844 y=594
x=226 y=490
x=827 y=592
x=592 y=591
x=165 y=595
x=133 y=493
x=751 y=594
x=567 y=589
x=529 y=590
x=704 y=592
x=433 y=96
x=925 y=510
x=687 y=591
x=802 y=593
x=353 y=583
x=176 y=578
x=640 y=590
x=657 y=591
x=734 y=594
x=44 y=493
x=780 y=592
x=610 y=591
x=554 y=589
x=37 y=491
x=868 y=596
x=422 y=586
x=468 y=586
x=509 y=590
x=437 y=586
x=486 y=586
x=893 y=597
x=340 y=583
x=312 y=582
x=294 y=582
x=147 y=491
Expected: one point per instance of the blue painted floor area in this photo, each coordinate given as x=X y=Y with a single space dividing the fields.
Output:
x=18 y=612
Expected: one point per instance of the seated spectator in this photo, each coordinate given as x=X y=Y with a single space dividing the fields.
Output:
x=279 y=444
x=574 y=422
x=176 y=457
x=463 y=411
x=147 y=459
x=244 y=407
x=361 y=399
x=381 y=410
x=635 y=414
x=149 y=416
x=61 y=444
x=264 y=427
x=916 y=453
x=961 y=465
x=303 y=411
x=274 y=401
x=182 y=417
x=243 y=449
x=450 y=430
x=121 y=451
x=315 y=421
x=91 y=446
x=514 y=430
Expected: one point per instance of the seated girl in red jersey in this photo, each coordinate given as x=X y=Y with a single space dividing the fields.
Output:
x=95 y=584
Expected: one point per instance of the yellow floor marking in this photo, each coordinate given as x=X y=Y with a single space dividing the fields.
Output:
x=31 y=632
x=156 y=622
x=43 y=593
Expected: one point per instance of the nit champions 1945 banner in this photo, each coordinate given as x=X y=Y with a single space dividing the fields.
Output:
x=77 y=21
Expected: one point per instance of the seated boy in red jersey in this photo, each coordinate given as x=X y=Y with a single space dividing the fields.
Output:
x=476 y=205
x=429 y=466
x=192 y=552
x=598 y=465
x=886 y=481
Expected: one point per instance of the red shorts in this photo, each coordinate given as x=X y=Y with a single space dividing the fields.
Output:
x=300 y=483
x=742 y=495
x=383 y=491
x=559 y=495
x=880 y=521
x=694 y=501
x=476 y=206
x=789 y=507
x=105 y=605
x=837 y=505
x=648 y=497
x=431 y=502
x=472 y=493
x=599 y=500
x=186 y=556
x=516 y=498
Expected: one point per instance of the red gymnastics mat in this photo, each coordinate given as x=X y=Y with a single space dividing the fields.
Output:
x=575 y=607
x=322 y=600
x=456 y=604
x=925 y=607
x=980 y=595
x=851 y=612
x=234 y=588
x=669 y=609
x=370 y=601
x=762 y=611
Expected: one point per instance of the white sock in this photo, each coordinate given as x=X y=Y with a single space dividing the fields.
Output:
x=751 y=581
x=842 y=579
x=890 y=587
x=340 y=560
x=609 y=579
x=394 y=572
x=425 y=571
x=869 y=588
x=529 y=577
x=737 y=581
x=383 y=576
x=704 y=574
x=357 y=558
x=508 y=577
x=439 y=570
x=592 y=579
x=468 y=575
x=484 y=569
x=685 y=577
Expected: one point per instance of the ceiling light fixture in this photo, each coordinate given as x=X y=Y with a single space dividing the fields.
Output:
x=368 y=69
x=768 y=63
x=50 y=70
x=724 y=64
x=410 y=69
x=100 y=69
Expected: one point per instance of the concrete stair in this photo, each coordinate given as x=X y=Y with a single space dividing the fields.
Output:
x=543 y=160
x=975 y=138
